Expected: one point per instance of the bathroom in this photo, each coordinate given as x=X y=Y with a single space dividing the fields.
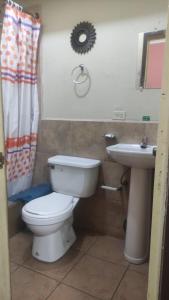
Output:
x=82 y=120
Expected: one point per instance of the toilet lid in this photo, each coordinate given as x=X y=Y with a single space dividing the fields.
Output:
x=51 y=205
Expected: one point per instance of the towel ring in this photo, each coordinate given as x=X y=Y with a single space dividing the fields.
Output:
x=84 y=72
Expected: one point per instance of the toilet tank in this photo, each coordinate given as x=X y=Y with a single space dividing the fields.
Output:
x=74 y=176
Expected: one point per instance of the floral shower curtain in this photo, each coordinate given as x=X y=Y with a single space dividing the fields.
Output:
x=19 y=46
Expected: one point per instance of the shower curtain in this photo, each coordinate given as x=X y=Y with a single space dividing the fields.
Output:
x=18 y=52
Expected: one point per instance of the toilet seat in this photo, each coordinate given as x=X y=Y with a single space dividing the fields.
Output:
x=50 y=209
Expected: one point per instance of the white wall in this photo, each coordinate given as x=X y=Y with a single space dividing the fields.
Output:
x=112 y=63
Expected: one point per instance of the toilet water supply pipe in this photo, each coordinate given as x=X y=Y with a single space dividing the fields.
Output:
x=110 y=188
x=123 y=182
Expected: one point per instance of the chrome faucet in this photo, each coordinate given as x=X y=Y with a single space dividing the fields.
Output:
x=144 y=142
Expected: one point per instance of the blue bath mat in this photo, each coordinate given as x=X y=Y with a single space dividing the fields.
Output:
x=32 y=193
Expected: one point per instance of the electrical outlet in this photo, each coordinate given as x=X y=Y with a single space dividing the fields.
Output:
x=119 y=115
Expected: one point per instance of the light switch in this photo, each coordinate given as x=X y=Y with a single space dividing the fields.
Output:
x=119 y=115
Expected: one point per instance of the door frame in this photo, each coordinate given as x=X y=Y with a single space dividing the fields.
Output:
x=160 y=197
x=5 y=289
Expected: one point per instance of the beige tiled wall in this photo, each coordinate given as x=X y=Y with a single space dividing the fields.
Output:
x=105 y=211
x=15 y=224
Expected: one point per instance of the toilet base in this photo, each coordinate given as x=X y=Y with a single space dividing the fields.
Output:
x=49 y=248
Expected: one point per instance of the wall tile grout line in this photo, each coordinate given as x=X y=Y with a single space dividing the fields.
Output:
x=120 y=282
x=104 y=260
x=53 y=291
x=78 y=261
x=109 y=261
x=34 y=271
x=80 y=258
x=19 y=266
x=48 y=276
x=82 y=291
x=137 y=271
x=92 y=244
x=127 y=267
x=74 y=265
x=23 y=265
x=40 y=273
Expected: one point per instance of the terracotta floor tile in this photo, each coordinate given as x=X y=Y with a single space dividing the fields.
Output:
x=84 y=241
x=110 y=249
x=20 y=247
x=133 y=286
x=29 y=285
x=58 y=269
x=143 y=269
x=96 y=277
x=64 y=292
x=13 y=267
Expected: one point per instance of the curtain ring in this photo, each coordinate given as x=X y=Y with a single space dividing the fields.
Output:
x=10 y=2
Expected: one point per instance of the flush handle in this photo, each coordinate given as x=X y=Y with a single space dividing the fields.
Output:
x=154 y=151
x=51 y=166
x=2 y=160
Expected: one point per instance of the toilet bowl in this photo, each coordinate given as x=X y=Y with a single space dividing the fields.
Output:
x=50 y=218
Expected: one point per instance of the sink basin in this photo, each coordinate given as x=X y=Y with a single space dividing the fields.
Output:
x=132 y=155
x=141 y=161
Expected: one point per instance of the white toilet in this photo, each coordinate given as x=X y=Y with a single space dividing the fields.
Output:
x=50 y=217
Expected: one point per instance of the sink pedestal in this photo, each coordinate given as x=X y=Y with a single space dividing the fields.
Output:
x=142 y=162
x=139 y=216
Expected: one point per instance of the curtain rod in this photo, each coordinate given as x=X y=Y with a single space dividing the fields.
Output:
x=10 y=2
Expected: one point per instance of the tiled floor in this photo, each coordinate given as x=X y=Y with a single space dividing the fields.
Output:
x=94 y=268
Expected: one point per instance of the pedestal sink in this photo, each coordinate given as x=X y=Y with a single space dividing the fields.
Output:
x=141 y=161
